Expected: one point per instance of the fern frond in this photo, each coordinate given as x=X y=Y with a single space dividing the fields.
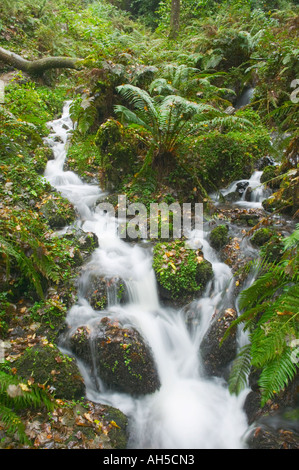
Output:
x=292 y=240
x=131 y=117
x=141 y=100
x=23 y=262
x=232 y=122
x=240 y=370
x=13 y=424
x=160 y=86
x=16 y=394
x=276 y=375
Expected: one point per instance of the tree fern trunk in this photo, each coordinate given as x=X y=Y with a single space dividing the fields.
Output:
x=175 y=18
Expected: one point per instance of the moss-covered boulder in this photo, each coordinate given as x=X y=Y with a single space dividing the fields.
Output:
x=58 y=212
x=219 y=237
x=46 y=365
x=181 y=272
x=119 y=148
x=262 y=236
x=286 y=199
x=273 y=249
x=123 y=360
x=266 y=437
x=220 y=159
x=269 y=173
x=217 y=356
x=41 y=157
x=84 y=243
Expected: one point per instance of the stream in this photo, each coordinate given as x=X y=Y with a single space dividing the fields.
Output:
x=189 y=411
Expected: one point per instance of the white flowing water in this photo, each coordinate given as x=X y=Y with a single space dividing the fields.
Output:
x=189 y=411
x=257 y=195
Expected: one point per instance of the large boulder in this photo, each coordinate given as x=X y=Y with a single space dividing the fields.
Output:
x=217 y=357
x=85 y=242
x=122 y=358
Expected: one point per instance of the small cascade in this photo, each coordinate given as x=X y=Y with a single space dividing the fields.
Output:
x=245 y=98
x=190 y=410
x=248 y=194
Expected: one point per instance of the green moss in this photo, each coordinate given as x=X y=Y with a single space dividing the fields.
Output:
x=180 y=271
x=118 y=432
x=219 y=237
x=261 y=236
x=273 y=249
x=119 y=148
x=269 y=173
x=49 y=367
x=58 y=212
x=221 y=158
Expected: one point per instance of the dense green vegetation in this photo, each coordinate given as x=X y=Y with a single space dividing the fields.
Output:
x=155 y=122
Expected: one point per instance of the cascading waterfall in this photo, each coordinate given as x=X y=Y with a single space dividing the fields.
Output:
x=189 y=411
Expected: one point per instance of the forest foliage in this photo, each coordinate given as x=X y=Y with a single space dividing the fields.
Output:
x=170 y=98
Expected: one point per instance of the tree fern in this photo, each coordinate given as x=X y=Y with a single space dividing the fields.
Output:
x=169 y=120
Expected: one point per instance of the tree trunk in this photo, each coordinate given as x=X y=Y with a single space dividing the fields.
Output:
x=37 y=67
x=175 y=18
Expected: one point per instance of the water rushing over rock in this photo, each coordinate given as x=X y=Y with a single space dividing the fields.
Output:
x=245 y=193
x=189 y=410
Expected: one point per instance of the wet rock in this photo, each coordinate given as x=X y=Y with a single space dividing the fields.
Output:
x=241 y=187
x=285 y=399
x=232 y=255
x=264 y=162
x=246 y=217
x=85 y=242
x=234 y=196
x=47 y=365
x=122 y=359
x=80 y=344
x=264 y=437
x=248 y=194
x=217 y=357
x=101 y=291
